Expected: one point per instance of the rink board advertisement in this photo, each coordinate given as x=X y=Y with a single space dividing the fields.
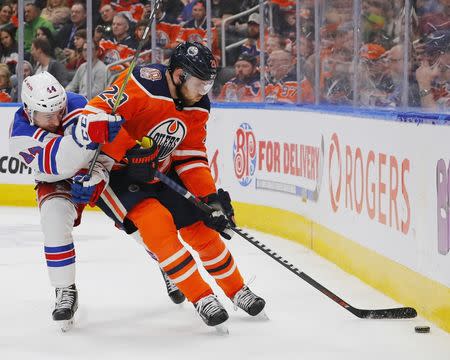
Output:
x=16 y=178
x=370 y=195
x=12 y=169
x=382 y=185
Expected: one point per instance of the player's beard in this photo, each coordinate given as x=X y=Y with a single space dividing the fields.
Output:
x=185 y=101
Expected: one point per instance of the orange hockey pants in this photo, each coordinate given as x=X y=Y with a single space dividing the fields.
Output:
x=157 y=229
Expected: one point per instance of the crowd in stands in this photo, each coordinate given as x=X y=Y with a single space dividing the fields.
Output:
x=375 y=74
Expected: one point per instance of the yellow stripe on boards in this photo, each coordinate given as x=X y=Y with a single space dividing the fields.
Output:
x=17 y=195
x=430 y=298
x=278 y=222
x=21 y=195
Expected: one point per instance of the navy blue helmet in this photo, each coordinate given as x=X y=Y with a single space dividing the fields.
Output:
x=195 y=59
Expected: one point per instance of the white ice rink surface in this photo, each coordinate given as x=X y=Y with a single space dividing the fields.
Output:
x=125 y=313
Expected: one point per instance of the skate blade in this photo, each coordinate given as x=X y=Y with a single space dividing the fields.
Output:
x=65 y=325
x=262 y=316
x=179 y=306
x=222 y=329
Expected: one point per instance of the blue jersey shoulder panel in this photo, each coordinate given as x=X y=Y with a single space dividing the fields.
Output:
x=75 y=101
x=21 y=126
x=152 y=78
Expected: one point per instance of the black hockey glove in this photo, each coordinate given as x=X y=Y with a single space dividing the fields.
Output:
x=225 y=201
x=218 y=219
x=143 y=163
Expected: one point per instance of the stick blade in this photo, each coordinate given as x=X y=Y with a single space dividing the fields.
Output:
x=394 y=313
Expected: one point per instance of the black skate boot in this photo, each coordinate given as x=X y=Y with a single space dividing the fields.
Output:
x=248 y=301
x=66 y=305
x=211 y=310
x=174 y=293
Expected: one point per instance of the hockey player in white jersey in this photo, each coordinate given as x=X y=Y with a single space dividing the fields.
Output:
x=41 y=136
x=45 y=136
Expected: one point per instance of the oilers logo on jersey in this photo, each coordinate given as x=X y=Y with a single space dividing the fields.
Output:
x=168 y=135
x=162 y=39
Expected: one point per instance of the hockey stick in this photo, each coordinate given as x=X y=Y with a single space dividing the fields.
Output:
x=393 y=313
x=142 y=42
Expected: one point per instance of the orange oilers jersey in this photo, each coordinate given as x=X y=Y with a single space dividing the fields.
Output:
x=200 y=35
x=167 y=35
x=192 y=34
x=113 y=52
x=5 y=97
x=134 y=7
x=284 y=3
x=149 y=110
x=234 y=91
x=286 y=92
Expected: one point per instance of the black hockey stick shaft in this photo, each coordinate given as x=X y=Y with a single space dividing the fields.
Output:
x=392 y=313
x=117 y=100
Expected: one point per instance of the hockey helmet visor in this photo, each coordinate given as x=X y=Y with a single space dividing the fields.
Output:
x=197 y=85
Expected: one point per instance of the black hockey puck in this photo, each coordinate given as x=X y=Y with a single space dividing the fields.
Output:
x=422 y=329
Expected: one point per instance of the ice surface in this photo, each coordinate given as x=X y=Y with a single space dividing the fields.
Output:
x=125 y=313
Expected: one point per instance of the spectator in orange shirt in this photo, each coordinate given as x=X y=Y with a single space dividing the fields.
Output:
x=134 y=8
x=196 y=29
x=244 y=87
x=283 y=85
x=121 y=45
x=167 y=31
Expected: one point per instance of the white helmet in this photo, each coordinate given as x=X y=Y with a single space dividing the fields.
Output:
x=43 y=93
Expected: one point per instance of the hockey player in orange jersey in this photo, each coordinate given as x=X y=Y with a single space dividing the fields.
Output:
x=171 y=106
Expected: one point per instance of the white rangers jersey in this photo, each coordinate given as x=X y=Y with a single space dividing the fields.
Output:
x=52 y=156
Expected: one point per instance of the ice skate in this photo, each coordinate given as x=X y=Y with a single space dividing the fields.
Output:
x=212 y=312
x=252 y=304
x=66 y=305
x=174 y=293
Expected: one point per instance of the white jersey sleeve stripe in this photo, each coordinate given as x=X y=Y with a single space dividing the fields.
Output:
x=93 y=109
x=184 y=168
x=189 y=153
x=40 y=134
